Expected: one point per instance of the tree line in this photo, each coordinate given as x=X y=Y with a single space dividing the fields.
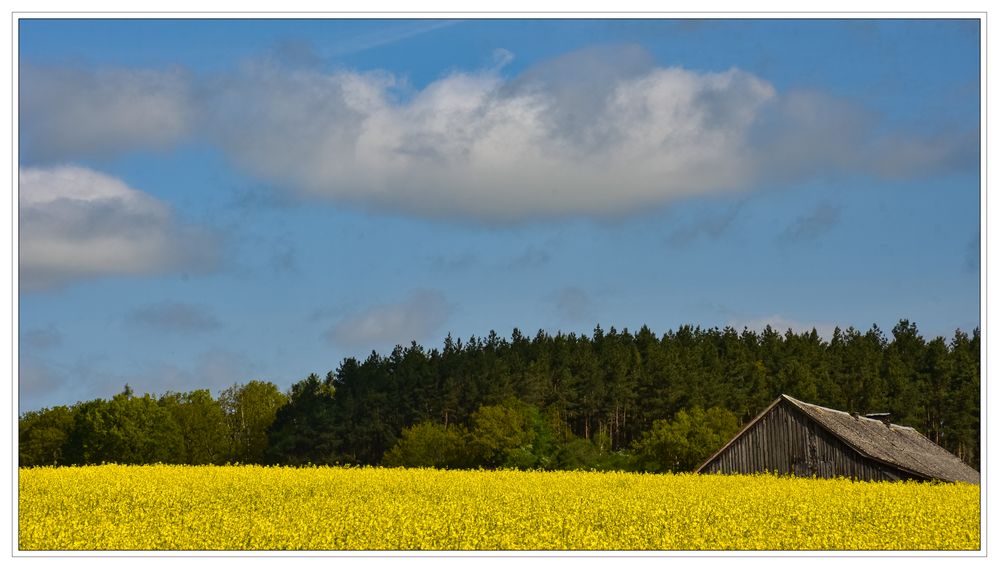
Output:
x=610 y=400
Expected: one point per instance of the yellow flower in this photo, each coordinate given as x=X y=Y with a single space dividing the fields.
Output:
x=160 y=507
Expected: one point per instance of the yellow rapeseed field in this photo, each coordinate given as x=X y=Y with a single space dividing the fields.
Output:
x=256 y=508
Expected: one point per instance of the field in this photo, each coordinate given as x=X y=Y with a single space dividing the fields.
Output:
x=256 y=508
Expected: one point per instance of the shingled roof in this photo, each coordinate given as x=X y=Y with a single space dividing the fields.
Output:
x=902 y=447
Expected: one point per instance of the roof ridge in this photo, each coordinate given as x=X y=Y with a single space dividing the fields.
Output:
x=829 y=423
x=855 y=416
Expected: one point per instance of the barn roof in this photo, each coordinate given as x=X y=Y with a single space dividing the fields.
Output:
x=902 y=447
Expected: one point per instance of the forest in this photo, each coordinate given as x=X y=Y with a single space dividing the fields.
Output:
x=612 y=400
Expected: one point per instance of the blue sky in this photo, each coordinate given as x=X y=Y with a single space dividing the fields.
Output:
x=203 y=202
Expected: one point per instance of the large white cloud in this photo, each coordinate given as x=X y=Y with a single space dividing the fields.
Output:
x=474 y=144
x=67 y=113
x=75 y=222
x=597 y=132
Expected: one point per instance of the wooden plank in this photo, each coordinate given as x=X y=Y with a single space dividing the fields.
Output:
x=785 y=440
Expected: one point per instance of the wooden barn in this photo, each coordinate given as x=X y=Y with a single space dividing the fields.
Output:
x=792 y=437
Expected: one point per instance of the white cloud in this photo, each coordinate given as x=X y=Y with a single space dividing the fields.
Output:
x=473 y=144
x=75 y=223
x=781 y=325
x=415 y=318
x=601 y=131
x=69 y=113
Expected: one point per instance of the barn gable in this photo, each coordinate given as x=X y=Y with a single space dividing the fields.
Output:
x=792 y=437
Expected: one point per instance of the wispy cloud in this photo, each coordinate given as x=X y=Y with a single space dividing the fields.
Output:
x=284 y=259
x=69 y=113
x=42 y=381
x=36 y=380
x=392 y=33
x=213 y=369
x=973 y=253
x=710 y=226
x=531 y=258
x=808 y=227
x=810 y=133
x=174 y=317
x=455 y=262
x=77 y=223
x=572 y=304
x=414 y=318
x=41 y=338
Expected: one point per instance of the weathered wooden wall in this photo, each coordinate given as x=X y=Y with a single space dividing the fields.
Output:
x=786 y=441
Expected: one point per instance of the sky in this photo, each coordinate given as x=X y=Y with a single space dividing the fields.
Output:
x=207 y=202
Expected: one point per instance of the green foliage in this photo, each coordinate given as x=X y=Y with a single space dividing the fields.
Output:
x=125 y=430
x=429 y=444
x=497 y=432
x=303 y=431
x=249 y=411
x=961 y=408
x=203 y=426
x=686 y=441
x=43 y=435
x=177 y=428
x=551 y=401
x=371 y=406
x=583 y=454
